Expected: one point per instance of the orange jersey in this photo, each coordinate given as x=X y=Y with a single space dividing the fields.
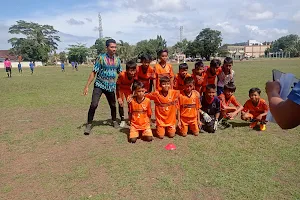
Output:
x=179 y=81
x=162 y=71
x=140 y=114
x=189 y=105
x=261 y=107
x=124 y=83
x=145 y=77
x=210 y=79
x=165 y=107
x=232 y=100
x=198 y=81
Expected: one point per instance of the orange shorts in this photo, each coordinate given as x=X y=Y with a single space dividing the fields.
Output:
x=135 y=133
x=251 y=116
x=161 y=130
x=124 y=94
x=194 y=127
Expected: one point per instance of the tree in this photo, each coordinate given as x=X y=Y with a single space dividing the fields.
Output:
x=191 y=50
x=100 y=45
x=289 y=43
x=151 y=47
x=38 y=42
x=125 y=51
x=181 y=47
x=78 y=53
x=207 y=42
x=62 y=56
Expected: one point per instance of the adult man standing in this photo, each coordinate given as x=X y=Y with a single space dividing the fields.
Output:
x=7 y=65
x=105 y=69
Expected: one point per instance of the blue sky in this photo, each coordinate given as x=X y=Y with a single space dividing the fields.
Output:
x=135 y=20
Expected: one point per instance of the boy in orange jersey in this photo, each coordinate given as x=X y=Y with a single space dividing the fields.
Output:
x=124 y=82
x=145 y=73
x=188 y=114
x=139 y=114
x=198 y=75
x=255 y=109
x=227 y=111
x=179 y=78
x=163 y=69
x=166 y=104
x=210 y=75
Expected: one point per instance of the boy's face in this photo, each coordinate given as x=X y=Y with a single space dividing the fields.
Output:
x=112 y=48
x=188 y=87
x=164 y=57
x=140 y=92
x=228 y=93
x=183 y=72
x=254 y=97
x=199 y=70
x=211 y=93
x=165 y=86
x=227 y=67
x=131 y=73
x=145 y=63
x=213 y=70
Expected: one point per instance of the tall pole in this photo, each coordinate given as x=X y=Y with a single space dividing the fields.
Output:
x=100 y=26
x=181 y=33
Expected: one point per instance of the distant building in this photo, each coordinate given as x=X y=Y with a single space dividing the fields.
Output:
x=256 y=51
x=7 y=54
x=236 y=52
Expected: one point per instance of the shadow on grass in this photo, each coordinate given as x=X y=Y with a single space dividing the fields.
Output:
x=239 y=124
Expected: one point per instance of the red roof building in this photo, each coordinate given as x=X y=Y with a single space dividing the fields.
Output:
x=7 y=54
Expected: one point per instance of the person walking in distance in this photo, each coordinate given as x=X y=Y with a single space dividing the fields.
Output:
x=7 y=65
x=105 y=69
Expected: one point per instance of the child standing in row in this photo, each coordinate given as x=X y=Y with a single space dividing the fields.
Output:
x=210 y=75
x=123 y=88
x=139 y=114
x=198 y=75
x=179 y=78
x=226 y=75
x=163 y=69
x=145 y=73
x=255 y=109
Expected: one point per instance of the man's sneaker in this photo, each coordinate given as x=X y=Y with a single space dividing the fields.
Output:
x=253 y=124
x=122 y=124
x=115 y=124
x=88 y=129
x=262 y=127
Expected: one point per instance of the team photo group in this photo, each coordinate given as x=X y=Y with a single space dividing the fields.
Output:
x=185 y=103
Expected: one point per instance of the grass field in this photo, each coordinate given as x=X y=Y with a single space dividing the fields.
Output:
x=44 y=154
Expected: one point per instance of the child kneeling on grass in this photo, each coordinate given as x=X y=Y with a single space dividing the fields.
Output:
x=210 y=109
x=255 y=109
x=139 y=114
x=228 y=112
x=188 y=114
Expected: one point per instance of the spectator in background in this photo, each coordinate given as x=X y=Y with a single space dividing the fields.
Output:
x=286 y=113
x=20 y=67
x=7 y=65
x=31 y=65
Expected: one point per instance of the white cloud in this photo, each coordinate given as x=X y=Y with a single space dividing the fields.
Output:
x=75 y=22
x=158 y=5
x=228 y=28
x=296 y=17
x=256 y=11
x=266 y=32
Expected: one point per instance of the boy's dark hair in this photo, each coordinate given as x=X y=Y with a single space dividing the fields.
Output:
x=162 y=51
x=109 y=41
x=183 y=66
x=230 y=86
x=146 y=57
x=252 y=90
x=215 y=63
x=211 y=86
x=189 y=80
x=199 y=64
x=137 y=85
x=130 y=65
x=228 y=60
x=164 y=79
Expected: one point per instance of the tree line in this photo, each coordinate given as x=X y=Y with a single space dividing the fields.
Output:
x=37 y=42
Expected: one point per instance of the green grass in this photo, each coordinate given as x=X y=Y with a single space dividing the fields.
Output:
x=44 y=154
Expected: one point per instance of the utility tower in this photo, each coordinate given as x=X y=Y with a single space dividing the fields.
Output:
x=100 y=26
x=181 y=33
